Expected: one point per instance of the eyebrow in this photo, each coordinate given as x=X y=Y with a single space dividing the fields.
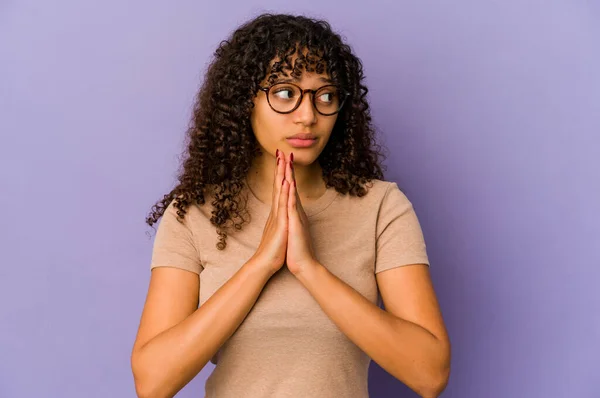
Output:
x=294 y=80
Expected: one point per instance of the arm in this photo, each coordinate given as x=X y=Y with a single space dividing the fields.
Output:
x=175 y=340
x=408 y=340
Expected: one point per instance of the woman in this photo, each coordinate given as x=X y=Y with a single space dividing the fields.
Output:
x=280 y=163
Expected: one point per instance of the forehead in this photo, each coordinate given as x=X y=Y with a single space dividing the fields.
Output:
x=307 y=76
x=299 y=67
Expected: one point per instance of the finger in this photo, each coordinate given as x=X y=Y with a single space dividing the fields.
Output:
x=300 y=208
x=289 y=172
x=274 y=192
x=295 y=205
x=276 y=162
x=283 y=200
x=292 y=202
x=276 y=171
x=279 y=175
x=293 y=190
x=292 y=165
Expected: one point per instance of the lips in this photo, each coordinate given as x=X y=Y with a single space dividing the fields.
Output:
x=303 y=136
x=300 y=143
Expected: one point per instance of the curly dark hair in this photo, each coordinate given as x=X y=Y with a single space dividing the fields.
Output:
x=220 y=143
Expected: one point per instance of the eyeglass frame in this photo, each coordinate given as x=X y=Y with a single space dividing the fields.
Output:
x=342 y=93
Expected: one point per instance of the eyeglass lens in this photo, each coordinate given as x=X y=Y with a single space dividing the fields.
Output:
x=284 y=97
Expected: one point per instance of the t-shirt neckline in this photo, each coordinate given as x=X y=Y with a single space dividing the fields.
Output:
x=310 y=208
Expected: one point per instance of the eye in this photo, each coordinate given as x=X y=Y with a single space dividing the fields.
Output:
x=326 y=97
x=284 y=93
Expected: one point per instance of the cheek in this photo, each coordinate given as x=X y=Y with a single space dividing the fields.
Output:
x=329 y=123
x=266 y=124
x=332 y=122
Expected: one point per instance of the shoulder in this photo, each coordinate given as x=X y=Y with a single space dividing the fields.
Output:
x=191 y=220
x=386 y=200
x=383 y=186
x=381 y=191
x=381 y=196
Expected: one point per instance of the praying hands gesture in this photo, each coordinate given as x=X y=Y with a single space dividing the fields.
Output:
x=286 y=238
x=300 y=252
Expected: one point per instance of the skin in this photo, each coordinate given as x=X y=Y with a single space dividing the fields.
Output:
x=176 y=338
x=271 y=130
x=408 y=339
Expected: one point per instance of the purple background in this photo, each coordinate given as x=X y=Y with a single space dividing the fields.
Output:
x=491 y=113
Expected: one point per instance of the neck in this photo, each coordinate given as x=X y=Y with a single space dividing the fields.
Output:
x=309 y=179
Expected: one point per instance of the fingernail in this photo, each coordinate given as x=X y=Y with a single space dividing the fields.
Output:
x=292 y=156
x=277 y=153
x=292 y=165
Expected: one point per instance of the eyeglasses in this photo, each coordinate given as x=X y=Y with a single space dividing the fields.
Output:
x=287 y=97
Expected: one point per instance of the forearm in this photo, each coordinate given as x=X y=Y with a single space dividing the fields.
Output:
x=404 y=349
x=167 y=362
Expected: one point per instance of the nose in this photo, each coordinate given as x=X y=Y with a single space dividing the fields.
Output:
x=306 y=112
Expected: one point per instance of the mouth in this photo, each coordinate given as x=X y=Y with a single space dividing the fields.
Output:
x=303 y=136
x=301 y=143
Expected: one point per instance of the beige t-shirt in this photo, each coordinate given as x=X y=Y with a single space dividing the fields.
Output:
x=287 y=346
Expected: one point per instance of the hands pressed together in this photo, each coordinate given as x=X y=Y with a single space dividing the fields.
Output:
x=286 y=238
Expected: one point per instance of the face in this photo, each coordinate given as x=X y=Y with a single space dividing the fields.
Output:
x=273 y=130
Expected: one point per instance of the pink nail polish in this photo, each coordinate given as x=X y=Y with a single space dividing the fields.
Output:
x=292 y=156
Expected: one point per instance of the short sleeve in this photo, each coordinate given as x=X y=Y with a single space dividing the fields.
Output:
x=174 y=243
x=400 y=239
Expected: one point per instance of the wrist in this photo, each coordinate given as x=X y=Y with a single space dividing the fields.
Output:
x=260 y=268
x=308 y=270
